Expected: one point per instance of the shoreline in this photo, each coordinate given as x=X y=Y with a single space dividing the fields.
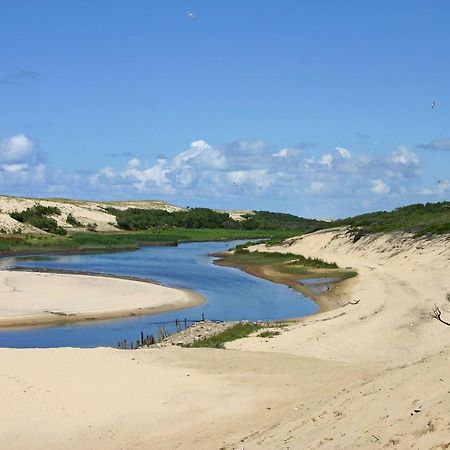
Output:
x=126 y=297
x=328 y=301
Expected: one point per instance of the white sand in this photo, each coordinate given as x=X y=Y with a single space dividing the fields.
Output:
x=30 y=298
x=368 y=376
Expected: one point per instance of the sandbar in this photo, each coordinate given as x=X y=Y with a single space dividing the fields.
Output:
x=33 y=298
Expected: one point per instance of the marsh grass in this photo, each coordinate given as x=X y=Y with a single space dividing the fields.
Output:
x=237 y=331
x=243 y=255
x=268 y=334
x=123 y=240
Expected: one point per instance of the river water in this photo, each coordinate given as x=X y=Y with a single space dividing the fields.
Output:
x=231 y=294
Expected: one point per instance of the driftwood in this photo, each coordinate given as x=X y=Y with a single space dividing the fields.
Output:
x=436 y=314
x=352 y=303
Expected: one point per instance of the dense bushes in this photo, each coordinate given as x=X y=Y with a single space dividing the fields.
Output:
x=72 y=221
x=37 y=216
x=266 y=220
x=429 y=218
x=144 y=219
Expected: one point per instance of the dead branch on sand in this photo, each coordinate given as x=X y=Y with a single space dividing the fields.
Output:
x=436 y=314
x=352 y=303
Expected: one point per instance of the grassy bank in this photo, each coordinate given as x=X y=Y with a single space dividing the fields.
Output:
x=237 y=331
x=123 y=240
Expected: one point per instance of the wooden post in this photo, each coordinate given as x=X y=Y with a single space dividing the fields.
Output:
x=185 y=323
x=203 y=317
x=142 y=338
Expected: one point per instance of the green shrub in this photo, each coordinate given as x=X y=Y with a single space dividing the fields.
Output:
x=37 y=217
x=72 y=221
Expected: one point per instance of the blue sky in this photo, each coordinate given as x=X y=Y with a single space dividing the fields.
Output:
x=320 y=108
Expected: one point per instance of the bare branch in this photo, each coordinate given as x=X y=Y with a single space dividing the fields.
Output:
x=436 y=314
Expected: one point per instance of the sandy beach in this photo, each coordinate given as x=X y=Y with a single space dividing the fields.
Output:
x=32 y=298
x=370 y=375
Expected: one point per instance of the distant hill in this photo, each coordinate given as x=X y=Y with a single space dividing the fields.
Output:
x=59 y=215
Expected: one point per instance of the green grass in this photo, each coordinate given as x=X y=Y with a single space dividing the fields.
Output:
x=268 y=334
x=302 y=270
x=122 y=240
x=237 y=331
x=244 y=256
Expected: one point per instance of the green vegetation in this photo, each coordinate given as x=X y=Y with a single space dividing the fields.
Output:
x=74 y=241
x=37 y=216
x=151 y=227
x=199 y=218
x=241 y=254
x=268 y=334
x=237 y=331
x=72 y=221
x=302 y=270
x=420 y=219
x=265 y=220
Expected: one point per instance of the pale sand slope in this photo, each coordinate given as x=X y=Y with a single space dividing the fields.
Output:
x=345 y=379
x=28 y=298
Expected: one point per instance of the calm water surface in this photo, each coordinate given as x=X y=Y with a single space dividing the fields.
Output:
x=231 y=294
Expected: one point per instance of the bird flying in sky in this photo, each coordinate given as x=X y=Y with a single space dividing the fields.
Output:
x=433 y=104
x=190 y=14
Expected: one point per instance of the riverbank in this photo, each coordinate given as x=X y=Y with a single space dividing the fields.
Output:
x=42 y=297
x=327 y=297
x=365 y=376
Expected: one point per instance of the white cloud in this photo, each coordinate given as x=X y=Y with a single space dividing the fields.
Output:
x=286 y=153
x=346 y=154
x=133 y=163
x=14 y=168
x=152 y=177
x=326 y=160
x=257 y=178
x=380 y=187
x=404 y=156
x=16 y=148
x=201 y=154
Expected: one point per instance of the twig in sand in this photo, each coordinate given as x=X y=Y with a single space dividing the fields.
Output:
x=352 y=303
x=436 y=314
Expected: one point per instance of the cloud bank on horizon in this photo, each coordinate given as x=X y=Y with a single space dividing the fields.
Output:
x=249 y=174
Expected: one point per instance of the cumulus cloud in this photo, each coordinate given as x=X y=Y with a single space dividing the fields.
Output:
x=437 y=144
x=404 y=156
x=344 y=153
x=153 y=177
x=286 y=153
x=326 y=160
x=380 y=187
x=201 y=155
x=16 y=148
x=235 y=173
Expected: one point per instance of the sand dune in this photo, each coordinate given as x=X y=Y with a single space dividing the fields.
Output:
x=370 y=375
